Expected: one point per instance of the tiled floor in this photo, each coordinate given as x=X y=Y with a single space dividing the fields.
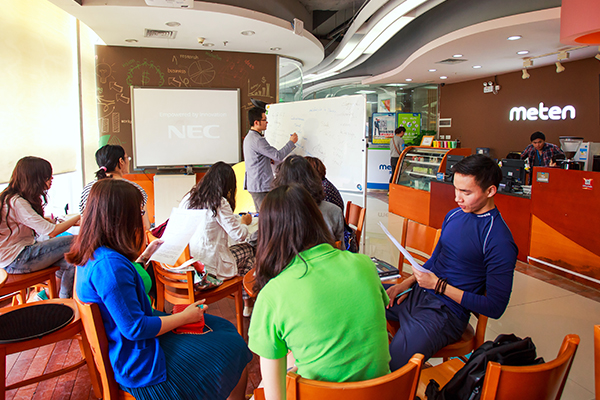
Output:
x=543 y=306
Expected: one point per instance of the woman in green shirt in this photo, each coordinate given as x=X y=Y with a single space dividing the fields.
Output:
x=325 y=305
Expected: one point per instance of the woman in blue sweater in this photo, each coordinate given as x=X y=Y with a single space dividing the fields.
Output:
x=149 y=361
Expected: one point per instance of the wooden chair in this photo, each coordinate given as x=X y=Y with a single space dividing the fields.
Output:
x=535 y=382
x=399 y=385
x=469 y=341
x=355 y=215
x=248 y=282
x=73 y=330
x=3 y=277
x=597 y=359
x=178 y=288
x=16 y=285
x=96 y=336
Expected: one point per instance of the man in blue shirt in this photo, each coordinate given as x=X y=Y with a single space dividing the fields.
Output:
x=539 y=152
x=471 y=269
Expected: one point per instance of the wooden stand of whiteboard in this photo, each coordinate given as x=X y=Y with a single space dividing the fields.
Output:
x=168 y=192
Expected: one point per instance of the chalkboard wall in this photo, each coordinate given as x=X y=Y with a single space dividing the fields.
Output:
x=119 y=68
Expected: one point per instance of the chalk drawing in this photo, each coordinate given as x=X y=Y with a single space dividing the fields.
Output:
x=116 y=87
x=116 y=122
x=262 y=89
x=201 y=72
x=145 y=73
x=103 y=71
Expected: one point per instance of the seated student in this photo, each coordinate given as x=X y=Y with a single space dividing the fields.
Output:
x=296 y=170
x=113 y=163
x=332 y=195
x=323 y=304
x=149 y=361
x=22 y=223
x=215 y=196
x=471 y=268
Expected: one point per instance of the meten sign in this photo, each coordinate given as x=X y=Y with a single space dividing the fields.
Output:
x=544 y=113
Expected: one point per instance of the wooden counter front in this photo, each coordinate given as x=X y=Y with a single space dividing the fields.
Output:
x=565 y=227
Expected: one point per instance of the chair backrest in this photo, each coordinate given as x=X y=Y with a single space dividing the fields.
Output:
x=399 y=385
x=419 y=240
x=541 y=382
x=597 y=359
x=355 y=216
x=96 y=336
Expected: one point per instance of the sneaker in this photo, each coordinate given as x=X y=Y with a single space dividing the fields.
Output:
x=247 y=311
x=41 y=295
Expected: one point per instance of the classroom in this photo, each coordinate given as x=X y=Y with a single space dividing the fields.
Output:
x=344 y=76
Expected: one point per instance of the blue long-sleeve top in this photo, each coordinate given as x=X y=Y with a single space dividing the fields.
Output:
x=111 y=281
x=477 y=254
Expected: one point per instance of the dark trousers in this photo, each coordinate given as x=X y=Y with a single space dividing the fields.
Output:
x=426 y=326
x=393 y=162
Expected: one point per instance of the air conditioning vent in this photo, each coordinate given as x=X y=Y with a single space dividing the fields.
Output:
x=451 y=61
x=156 y=34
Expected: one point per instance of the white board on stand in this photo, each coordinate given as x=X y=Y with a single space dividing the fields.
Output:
x=332 y=130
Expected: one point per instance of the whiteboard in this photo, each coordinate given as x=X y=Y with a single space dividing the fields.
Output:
x=185 y=126
x=331 y=129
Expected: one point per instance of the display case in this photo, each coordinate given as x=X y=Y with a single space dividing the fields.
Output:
x=417 y=168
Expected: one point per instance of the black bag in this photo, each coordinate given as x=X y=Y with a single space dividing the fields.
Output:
x=468 y=381
x=350 y=240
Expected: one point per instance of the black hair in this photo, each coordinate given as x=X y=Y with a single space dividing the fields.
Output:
x=107 y=158
x=399 y=130
x=217 y=183
x=255 y=114
x=295 y=169
x=485 y=170
x=537 y=135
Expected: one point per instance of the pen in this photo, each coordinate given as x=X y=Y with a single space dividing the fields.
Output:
x=403 y=293
x=201 y=306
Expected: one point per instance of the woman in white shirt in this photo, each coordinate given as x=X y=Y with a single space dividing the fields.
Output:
x=22 y=222
x=215 y=196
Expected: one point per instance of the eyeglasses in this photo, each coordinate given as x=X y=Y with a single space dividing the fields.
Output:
x=143 y=212
x=263 y=120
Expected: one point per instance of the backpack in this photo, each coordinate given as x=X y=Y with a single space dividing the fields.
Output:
x=468 y=381
x=350 y=240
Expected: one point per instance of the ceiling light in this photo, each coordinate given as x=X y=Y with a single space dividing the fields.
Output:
x=476 y=66
x=397 y=84
x=457 y=55
x=559 y=67
x=432 y=70
x=131 y=40
x=173 y=23
x=208 y=44
x=248 y=33
x=366 y=91
x=516 y=37
x=525 y=74
x=523 y=52
x=408 y=80
x=275 y=48
x=443 y=77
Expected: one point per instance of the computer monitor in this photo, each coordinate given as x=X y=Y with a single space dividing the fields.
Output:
x=513 y=172
x=451 y=161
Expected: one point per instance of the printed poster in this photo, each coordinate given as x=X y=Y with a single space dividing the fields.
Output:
x=412 y=123
x=384 y=125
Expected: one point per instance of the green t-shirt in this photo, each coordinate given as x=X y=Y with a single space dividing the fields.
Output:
x=331 y=315
x=145 y=278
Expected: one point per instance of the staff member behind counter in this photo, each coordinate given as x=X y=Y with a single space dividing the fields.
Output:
x=540 y=153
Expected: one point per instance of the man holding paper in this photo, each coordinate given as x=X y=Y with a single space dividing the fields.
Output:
x=471 y=269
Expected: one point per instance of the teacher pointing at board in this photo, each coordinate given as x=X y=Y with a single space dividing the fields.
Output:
x=258 y=154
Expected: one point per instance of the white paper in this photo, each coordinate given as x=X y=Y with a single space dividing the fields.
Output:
x=406 y=254
x=182 y=225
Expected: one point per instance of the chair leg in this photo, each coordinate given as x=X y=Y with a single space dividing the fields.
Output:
x=239 y=309
x=86 y=352
x=52 y=289
x=2 y=372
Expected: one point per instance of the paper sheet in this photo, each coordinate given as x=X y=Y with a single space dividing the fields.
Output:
x=182 y=225
x=406 y=254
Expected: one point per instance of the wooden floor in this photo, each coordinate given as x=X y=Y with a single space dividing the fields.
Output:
x=76 y=385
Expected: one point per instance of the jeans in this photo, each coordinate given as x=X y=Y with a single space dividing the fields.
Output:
x=41 y=255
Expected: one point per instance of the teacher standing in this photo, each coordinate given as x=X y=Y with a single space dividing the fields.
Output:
x=259 y=155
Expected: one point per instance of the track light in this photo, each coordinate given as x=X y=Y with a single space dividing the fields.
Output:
x=525 y=74
x=528 y=62
x=559 y=67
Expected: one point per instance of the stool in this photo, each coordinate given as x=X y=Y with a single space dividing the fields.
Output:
x=72 y=329
x=17 y=284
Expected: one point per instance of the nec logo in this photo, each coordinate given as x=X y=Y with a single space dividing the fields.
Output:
x=193 y=131
x=544 y=113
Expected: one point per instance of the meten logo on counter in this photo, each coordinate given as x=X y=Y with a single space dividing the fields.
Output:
x=554 y=113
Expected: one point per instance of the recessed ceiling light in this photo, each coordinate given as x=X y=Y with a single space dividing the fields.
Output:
x=131 y=40
x=408 y=80
x=173 y=23
x=476 y=66
x=397 y=84
x=516 y=37
x=248 y=33
x=432 y=70
x=443 y=77
x=523 y=52
x=457 y=55
x=275 y=48
x=208 y=44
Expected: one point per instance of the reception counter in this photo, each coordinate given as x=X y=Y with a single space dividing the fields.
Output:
x=557 y=228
